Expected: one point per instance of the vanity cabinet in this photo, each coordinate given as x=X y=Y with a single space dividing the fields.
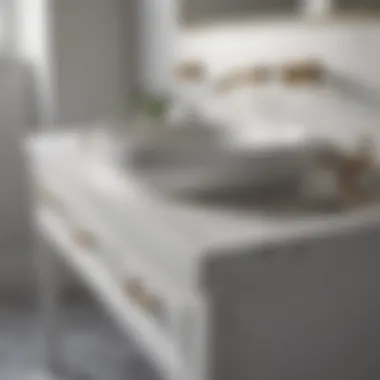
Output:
x=211 y=294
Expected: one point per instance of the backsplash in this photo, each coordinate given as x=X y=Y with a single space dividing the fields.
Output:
x=350 y=95
x=348 y=47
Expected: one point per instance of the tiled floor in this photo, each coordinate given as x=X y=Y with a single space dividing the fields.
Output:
x=94 y=349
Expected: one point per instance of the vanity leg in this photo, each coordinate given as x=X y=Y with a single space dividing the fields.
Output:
x=49 y=292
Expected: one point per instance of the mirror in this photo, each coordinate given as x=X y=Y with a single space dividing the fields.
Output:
x=194 y=12
x=357 y=5
x=204 y=11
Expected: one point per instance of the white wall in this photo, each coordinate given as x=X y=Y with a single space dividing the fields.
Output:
x=34 y=38
x=92 y=58
x=81 y=56
x=15 y=258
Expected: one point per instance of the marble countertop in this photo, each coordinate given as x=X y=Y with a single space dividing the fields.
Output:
x=211 y=230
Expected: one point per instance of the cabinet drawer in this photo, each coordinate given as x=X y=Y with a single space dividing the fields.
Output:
x=142 y=289
x=109 y=292
x=82 y=228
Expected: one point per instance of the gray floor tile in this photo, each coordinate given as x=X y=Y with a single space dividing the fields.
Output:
x=94 y=349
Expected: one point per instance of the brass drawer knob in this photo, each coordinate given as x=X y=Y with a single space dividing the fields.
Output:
x=137 y=291
x=85 y=239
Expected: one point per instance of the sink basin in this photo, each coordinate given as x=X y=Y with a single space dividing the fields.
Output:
x=197 y=161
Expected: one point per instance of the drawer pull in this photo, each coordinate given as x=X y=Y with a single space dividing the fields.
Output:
x=85 y=239
x=138 y=293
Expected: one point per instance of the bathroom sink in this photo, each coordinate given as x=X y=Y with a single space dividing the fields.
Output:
x=202 y=161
